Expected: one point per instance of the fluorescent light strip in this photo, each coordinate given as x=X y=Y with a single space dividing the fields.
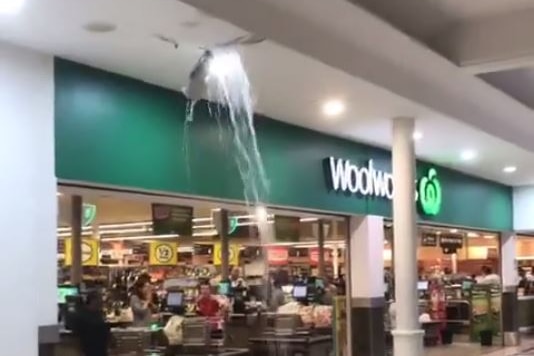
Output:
x=202 y=219
x=68 y=229
x=207 y=226
x=130 y=238
x=206 y=233
x=68 y=234
x=124 y=231
x=121 y=225
x=308 y=219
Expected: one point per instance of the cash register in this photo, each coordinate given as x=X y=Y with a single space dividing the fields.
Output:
x=69 y=303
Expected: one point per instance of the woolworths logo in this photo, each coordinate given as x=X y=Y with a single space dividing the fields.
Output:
x=367 y=181
x=429 y=189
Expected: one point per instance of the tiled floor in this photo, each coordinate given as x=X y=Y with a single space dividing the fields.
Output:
x=526 y=349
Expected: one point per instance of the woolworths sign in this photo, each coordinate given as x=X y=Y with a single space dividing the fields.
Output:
x=365 y=180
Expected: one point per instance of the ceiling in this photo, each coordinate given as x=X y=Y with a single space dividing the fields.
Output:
x=289 y=86
x=426 y=19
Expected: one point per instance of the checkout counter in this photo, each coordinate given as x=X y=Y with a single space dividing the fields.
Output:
x=526 y=312
x=246 y=329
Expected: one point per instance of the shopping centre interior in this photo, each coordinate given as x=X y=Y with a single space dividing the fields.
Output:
x=267 y=177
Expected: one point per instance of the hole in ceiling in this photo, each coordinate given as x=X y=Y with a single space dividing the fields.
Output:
x=100 y=27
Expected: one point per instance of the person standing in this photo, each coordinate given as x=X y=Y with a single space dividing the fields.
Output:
x=141 y=303
x=488 y=277
x=91 y=327
x=207 y=305
x=236 y=281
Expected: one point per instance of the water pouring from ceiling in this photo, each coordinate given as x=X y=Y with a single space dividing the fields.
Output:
x=220 y=77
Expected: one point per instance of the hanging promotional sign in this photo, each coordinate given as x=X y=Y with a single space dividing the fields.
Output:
x=163 y=253
x=286 y=228
x=451 y=243
x=277 y=256
x=233 y=254
x=90 y=252
x=429 y=240
x=367 y=181
x=88 y=214
x=314 y=255
x=172 y=220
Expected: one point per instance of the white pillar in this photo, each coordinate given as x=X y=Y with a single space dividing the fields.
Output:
x=28 y=189
x=407 y=335
x=366 y=262
x=454 y=263
x=510 y=305
x=508 y=261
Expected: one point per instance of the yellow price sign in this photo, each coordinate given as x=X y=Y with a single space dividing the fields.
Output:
x=90 y=252
x=163 y=253
x=233 y=254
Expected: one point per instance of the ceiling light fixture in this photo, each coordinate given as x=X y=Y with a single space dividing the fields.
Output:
x=468 y=155
x=509 y=169
x=333 y=108
x=417 y=135
x=454 y=231
x=11 y=7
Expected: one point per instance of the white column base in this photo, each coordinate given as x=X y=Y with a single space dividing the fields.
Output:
x=408 y=342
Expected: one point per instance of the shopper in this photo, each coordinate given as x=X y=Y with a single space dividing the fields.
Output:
x=91 y=327
x=330 y=291
x=277 y=297
x=488 y=277
x=236 y=281
x=141 y=303
x=207 y=305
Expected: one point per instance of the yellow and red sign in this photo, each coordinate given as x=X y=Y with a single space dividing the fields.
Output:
x=277 y=256
x=163 y=253
x=90 y=252
x=233 y=254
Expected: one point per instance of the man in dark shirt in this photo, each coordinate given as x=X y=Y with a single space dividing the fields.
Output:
x=91 y=327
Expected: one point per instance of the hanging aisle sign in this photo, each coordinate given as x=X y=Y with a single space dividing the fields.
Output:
x=90 y=252
x=233 y=254
x=163 y=253
x=88 y=214
x=344 y=176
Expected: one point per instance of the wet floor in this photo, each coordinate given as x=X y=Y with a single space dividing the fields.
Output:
x=526 y=349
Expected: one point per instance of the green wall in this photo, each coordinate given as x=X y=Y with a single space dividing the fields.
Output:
x=119 y=131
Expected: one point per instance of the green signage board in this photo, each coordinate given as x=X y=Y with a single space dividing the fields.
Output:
x=118 y=131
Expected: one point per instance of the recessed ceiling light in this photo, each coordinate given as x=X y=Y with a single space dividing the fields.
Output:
x=468 y=155
x=11 y=7
x=454 y=231
x=417 y=135
x=100 y=27
x=472 y=234
x=509 y=169
x=333 y=107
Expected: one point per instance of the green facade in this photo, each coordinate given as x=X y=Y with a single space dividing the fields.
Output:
x=119 y=131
